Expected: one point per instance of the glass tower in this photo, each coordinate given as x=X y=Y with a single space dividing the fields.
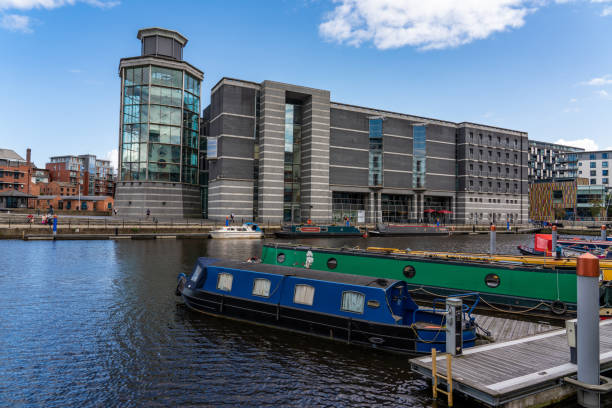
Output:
x=160 y=117
x=159 y=138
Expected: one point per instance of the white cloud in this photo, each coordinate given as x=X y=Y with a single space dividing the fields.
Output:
x=599 y=81
x=51 y=4
x=607 y=11
x=603 y=93
x=586 y=143
x=74 y=71
x=16 y=22
x=573 y=100
x=113 y=156
x=423 y=24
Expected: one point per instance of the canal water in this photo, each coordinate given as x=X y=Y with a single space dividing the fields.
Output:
x=96 y=323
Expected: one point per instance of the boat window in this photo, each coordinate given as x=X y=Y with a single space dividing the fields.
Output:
x=353 y=302
x=373 y=304
x=196 y=274
x=224 y=281
x=409 y=271
x=280 y=258
x=332 y=263
x=492 y=280
x=304 y=294
x=261 y=287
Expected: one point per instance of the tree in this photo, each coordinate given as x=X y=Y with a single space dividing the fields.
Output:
x=596 y=207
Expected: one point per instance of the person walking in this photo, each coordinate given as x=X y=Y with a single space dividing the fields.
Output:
x=227 y=221
x=148 y=212
x=232 y=215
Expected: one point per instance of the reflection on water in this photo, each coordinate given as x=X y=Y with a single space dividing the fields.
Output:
x=97 y=323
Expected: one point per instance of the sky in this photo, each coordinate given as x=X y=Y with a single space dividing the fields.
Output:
x=539 y=66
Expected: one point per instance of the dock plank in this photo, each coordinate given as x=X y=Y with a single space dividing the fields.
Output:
x=501 y=372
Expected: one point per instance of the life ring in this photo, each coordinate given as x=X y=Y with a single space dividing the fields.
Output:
x=180 y=285
x=558 y=307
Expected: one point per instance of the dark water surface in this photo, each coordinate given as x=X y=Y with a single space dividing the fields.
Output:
x=96 y=323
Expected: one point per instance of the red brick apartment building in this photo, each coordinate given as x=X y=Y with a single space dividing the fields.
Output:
x=15 y=179
x=84 y=174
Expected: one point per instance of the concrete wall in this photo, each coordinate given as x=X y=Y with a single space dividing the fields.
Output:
x=133 y=198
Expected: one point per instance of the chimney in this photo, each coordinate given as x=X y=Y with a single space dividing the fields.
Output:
x=29 y=155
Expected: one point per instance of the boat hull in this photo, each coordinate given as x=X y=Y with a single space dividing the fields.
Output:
x=406 y=231
x=521 y=290
x=386 y=337
x=236 y=235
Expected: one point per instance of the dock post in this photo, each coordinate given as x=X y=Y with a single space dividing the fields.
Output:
x=603 y=233
x=570 y=332
x=587 y=271
x=492 y=240
x=553 y=248
x=454 y=326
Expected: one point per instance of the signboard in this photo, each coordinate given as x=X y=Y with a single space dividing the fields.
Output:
x=361 y=216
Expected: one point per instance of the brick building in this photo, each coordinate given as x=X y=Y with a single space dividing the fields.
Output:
x=84 y=174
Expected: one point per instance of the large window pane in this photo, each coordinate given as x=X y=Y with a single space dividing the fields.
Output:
x=164 y=153
x=304 y=295
x=353 y=302
x=166 y=77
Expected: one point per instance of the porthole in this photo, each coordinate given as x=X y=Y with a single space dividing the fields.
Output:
x=409 y=271
x=492 y=280
x=332 y=263
x=280 y=258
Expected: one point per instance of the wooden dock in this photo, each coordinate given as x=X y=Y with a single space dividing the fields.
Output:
x=501 y=329
x=517 y=373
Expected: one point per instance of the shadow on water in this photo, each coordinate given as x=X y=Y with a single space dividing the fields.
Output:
x=97 y=323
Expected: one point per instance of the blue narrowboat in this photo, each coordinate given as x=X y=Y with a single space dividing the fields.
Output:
x=355 y=309
x=318 y=231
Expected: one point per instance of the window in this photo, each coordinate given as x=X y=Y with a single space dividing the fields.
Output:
x=604 y=181
x=593 y=173
x=604 y=155
x=332 y=263
x=261 y=287
x=593 y=165
x=492 y=280
x=592 y=156
x=224 y=281
x=211 y=147
x=353 y=302
x=604 y=172
x=303 y=295
x=196 y=274
x=409 y=270
x=593 y=181
x=604 y=164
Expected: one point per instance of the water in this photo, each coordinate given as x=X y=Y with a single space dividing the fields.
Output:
x=96 y=323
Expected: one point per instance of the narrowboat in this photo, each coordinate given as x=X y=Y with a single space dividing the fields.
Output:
x=318 y=231
x=246 y=231
x=571 y=247
x=503 y=286
x=390 y=230
x=355 y=309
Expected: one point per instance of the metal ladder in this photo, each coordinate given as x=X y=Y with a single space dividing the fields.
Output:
x=448 y=377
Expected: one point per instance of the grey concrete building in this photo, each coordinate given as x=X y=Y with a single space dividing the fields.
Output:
x=280 y=152
x=159 y=129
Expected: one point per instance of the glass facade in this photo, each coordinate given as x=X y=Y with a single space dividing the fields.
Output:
x=293 y=160
x=347 y=205
x=376 y=149
x=419 y=137
x=160 y=134
x=396 y=208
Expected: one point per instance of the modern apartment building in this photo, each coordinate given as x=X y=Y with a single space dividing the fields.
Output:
x=280 y=152
x=86 y=174
x=595 y=166
x=552 y=161
x=159 y=129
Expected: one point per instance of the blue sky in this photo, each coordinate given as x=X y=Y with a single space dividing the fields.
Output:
x=541 y=66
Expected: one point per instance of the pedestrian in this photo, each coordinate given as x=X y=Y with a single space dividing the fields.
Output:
x=226 y=221
x=232 y=215
x=148 y=212
x=115 y=211
x=50 y=208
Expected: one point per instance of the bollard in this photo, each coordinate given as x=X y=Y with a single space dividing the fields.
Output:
x=603 y=233
x=454 y=325
x=492 y=240
x=570 y=331
x=587 y=271
x=553 y=249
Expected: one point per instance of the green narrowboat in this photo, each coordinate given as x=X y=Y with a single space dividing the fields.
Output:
x=504 y=287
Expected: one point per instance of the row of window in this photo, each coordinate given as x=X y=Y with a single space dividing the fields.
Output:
x=302 y=295
x=603 y=181
x=490 y=140
x=15 y=174
x=593 y=165
x=490 y=155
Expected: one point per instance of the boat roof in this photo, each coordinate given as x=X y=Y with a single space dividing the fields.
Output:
x=358 y=280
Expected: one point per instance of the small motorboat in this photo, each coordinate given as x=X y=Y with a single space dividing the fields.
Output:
x=567 y=247
x=353 y=309
x=248 y=230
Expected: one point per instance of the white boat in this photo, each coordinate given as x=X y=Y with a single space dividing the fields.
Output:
x=246 y=231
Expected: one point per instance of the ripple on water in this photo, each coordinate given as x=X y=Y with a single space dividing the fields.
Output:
x=97 y=323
